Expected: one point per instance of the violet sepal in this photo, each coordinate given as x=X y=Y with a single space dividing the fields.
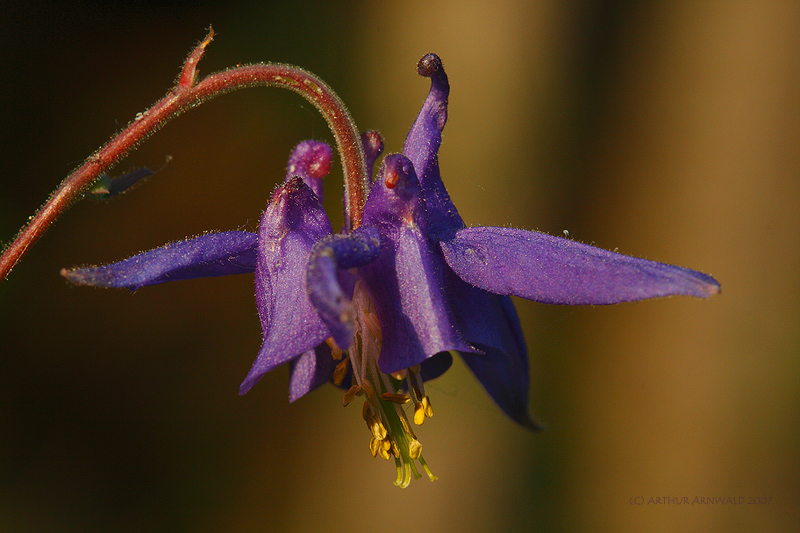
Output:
x=214 y=254
x=411 y=302
x=312 y=369
x=548 y=269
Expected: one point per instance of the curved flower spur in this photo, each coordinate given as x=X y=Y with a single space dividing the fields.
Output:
x=378 y=308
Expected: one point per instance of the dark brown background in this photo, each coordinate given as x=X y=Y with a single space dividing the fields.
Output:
x=670 y=133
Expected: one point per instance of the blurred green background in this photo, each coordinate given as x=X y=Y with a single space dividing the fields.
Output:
x=669 y=132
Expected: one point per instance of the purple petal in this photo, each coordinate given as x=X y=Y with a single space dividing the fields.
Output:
x=415 y=318
x=550 y=269
x=405 y=282
x=489 y=322
x=422 y=148
x=316 y=367
x=215 y=254
x=310 y=370
x=373 y=147
x=435 y=366
x=331 y=254
x=292 y=223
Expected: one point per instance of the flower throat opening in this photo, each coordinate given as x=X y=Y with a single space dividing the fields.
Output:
x=383 y=410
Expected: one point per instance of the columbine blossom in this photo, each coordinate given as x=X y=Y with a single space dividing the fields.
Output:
x=379 y=309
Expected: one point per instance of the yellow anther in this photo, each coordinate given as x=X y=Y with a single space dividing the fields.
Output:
x=383 y=453
x=336 y=352
x=377 y=428
x=426 y=403
x=419 y=414
x=396 y=398
x=414 y=449
x=340 y=371
x=404 y=424
x=349 y=395
x=374 y=445
x=386 y=444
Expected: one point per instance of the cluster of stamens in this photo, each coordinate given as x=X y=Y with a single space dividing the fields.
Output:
x=392 y=436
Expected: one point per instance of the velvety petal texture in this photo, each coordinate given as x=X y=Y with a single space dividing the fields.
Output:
x=406 y=280
x=214 y=254
x=327 y=257
x=488 y=321
x=293 y=222
x=311 y=370
x=422 y=148
x=491 y=322
x=554 y=270
x=372 y=143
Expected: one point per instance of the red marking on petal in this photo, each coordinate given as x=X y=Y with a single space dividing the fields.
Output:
x=391 y=177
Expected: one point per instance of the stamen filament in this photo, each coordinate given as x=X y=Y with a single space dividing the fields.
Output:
x=383 y=413
x=336 y=352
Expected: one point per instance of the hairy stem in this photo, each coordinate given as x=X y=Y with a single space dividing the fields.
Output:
x=188 y=94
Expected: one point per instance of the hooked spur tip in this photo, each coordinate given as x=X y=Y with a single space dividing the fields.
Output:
x=429 y=65
x=373 y=144
x=311 y=159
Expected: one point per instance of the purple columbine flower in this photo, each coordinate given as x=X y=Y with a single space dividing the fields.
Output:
x=379 y=309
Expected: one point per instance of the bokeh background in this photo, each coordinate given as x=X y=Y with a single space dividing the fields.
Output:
x=667 y=131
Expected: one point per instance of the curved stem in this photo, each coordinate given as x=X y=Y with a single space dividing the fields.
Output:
x=186 y=95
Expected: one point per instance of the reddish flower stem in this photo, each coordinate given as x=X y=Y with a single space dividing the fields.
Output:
x=186 y=95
